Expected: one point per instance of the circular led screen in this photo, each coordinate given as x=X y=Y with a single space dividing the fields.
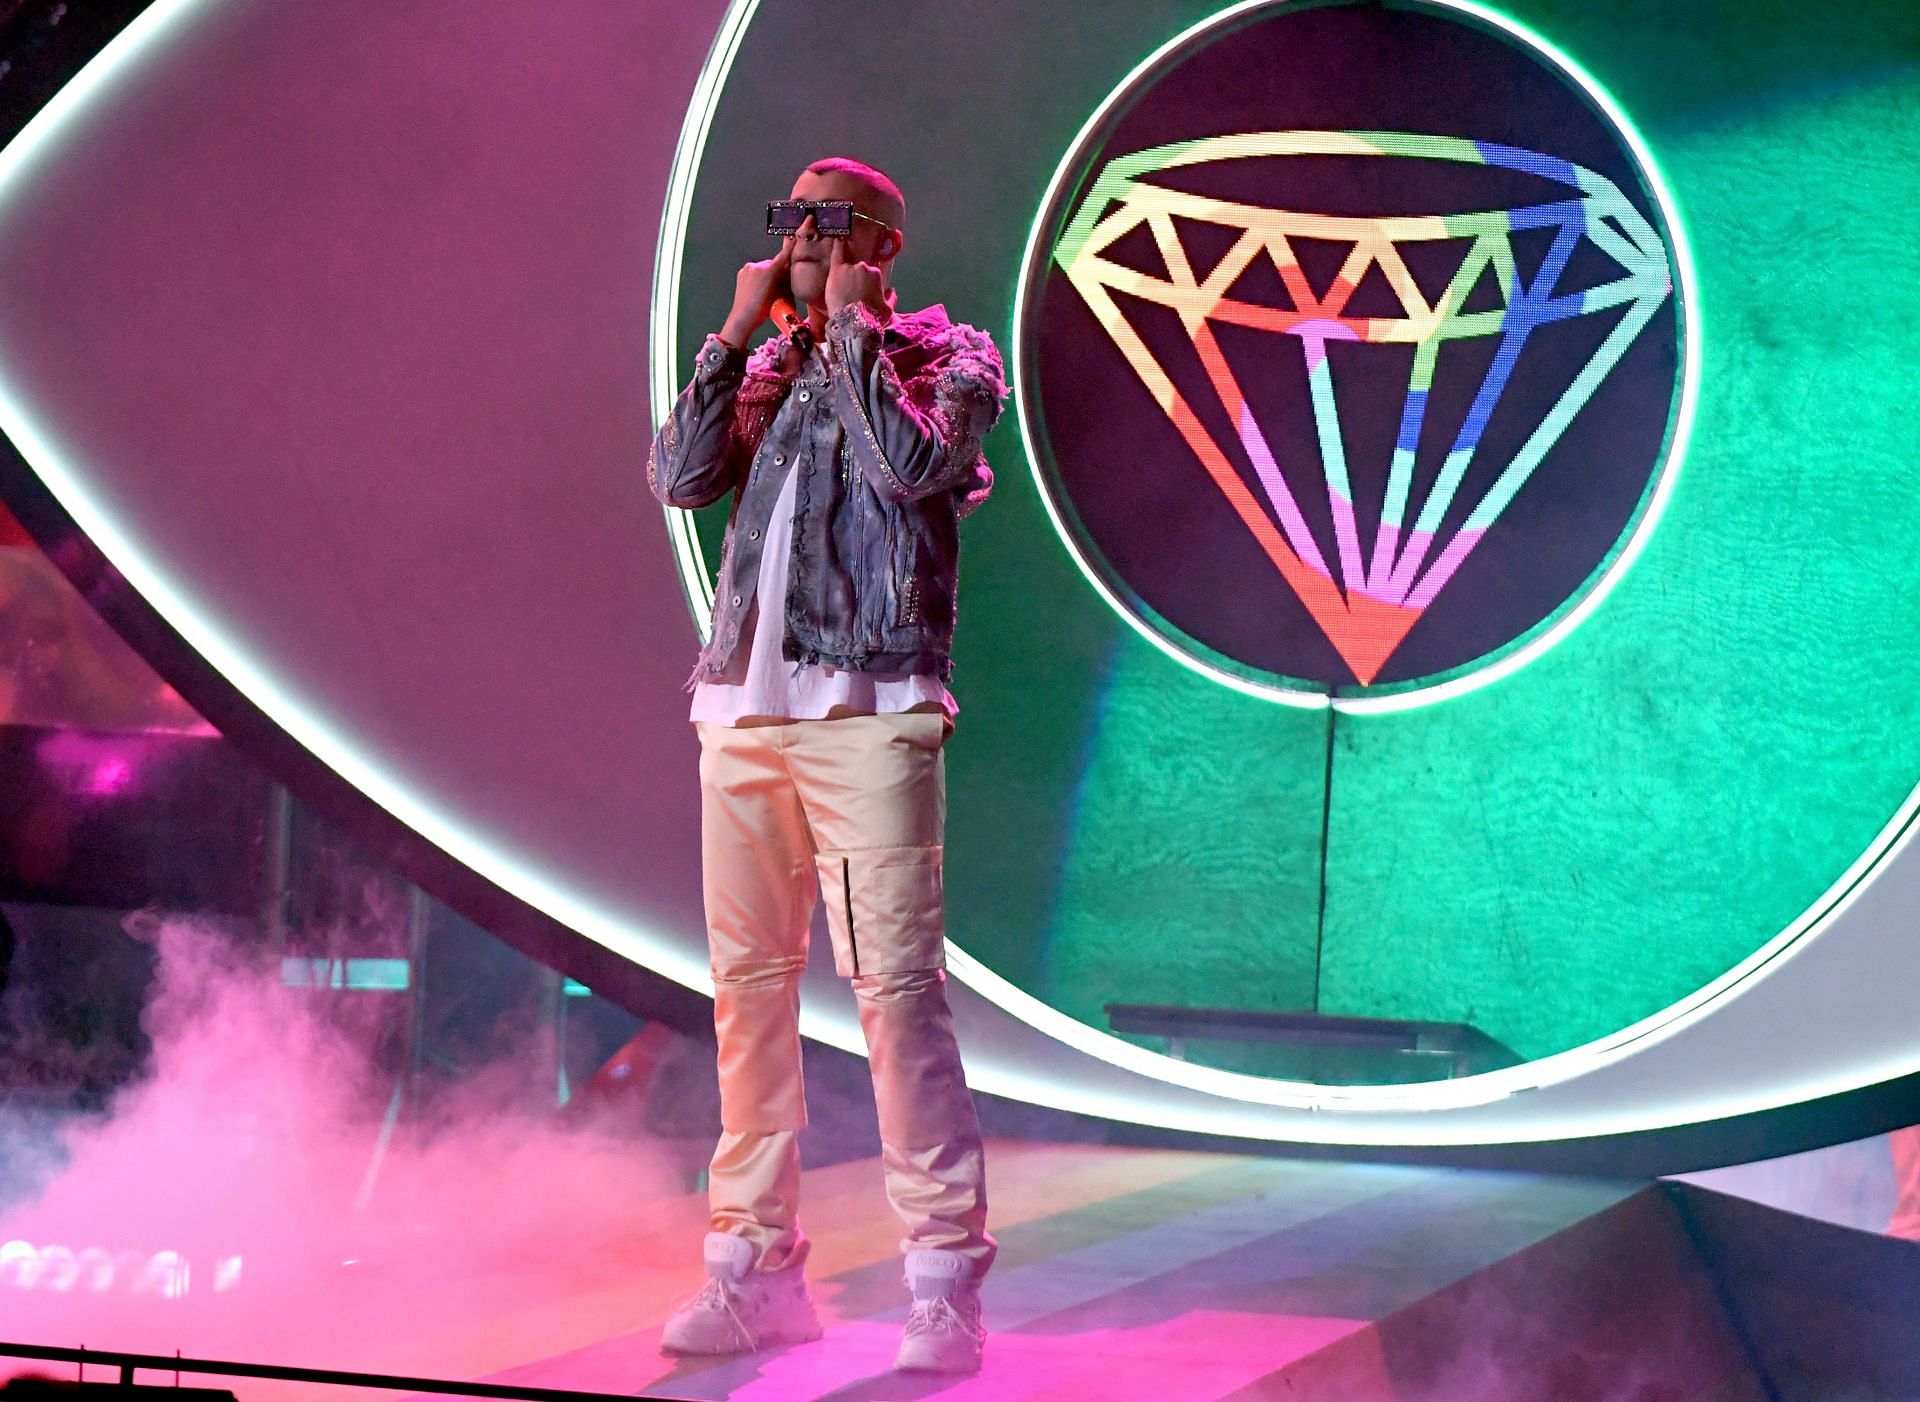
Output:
x=1351 y=347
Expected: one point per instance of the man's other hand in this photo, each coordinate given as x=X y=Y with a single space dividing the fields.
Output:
x=754 y=288
x=849 y=282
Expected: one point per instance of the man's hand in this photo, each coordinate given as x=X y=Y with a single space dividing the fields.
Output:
x=849 y=282
x=754 y=288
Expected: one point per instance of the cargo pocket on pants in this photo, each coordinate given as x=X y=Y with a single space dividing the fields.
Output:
x=885 y=909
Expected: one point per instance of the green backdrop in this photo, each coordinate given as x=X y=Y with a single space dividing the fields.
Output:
x=1556 y=855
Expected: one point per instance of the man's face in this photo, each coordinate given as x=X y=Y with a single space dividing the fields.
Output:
x=807 y=270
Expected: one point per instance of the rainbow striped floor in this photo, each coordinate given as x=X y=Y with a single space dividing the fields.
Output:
x=1124 y=1273
x=1157 y=1274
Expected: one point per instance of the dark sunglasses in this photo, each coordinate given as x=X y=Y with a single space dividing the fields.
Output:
x=833 y=218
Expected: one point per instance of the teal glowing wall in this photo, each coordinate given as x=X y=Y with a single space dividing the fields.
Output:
x=1579 y=844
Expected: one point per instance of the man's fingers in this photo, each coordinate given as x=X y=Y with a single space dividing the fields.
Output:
x=839 y=254
x=786 y=252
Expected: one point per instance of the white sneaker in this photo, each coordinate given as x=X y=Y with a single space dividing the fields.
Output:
x=944 y=1333
x=741 y=1309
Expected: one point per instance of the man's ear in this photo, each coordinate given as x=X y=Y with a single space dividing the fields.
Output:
x=891 y=243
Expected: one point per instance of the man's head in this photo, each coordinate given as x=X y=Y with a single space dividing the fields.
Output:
x=877 y=239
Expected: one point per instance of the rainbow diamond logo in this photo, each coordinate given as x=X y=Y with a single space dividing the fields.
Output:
x=1370 y=578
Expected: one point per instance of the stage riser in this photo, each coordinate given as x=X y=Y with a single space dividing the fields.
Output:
x=1830 y=1311
x=1618 y=1306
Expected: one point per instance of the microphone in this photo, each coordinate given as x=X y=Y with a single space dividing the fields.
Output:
x=799 y=334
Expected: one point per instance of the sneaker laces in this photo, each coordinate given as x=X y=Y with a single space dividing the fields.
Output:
x=936 y=1314
x=715 y=1297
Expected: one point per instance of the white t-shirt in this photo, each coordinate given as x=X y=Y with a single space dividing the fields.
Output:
x=760 y=683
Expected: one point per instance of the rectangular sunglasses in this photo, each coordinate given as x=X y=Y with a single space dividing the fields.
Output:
x=833 y=218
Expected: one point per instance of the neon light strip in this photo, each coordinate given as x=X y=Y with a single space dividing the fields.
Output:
x=665 y=321
x=1406 y=447
x=365 y=975
x=1333 y=454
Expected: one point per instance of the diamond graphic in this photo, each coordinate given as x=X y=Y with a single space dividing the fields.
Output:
x=1368 y=595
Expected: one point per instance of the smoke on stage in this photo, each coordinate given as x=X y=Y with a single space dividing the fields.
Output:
x=256 y=1194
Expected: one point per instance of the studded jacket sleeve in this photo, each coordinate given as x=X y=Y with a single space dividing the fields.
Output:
x=695 y=458
x=913 y=441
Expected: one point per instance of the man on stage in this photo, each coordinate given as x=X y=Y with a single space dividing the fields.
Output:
x=851 y=444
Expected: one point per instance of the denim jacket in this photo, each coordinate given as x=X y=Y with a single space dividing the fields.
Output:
x=883 y=423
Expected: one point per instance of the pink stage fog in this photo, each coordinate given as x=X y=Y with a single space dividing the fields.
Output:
x=248 y=1198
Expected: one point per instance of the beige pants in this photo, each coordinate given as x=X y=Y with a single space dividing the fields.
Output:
x=855 y=809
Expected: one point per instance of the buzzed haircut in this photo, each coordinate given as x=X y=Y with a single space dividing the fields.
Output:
x=876 y=180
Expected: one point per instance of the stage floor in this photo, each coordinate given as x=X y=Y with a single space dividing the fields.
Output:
x=1122 y=1274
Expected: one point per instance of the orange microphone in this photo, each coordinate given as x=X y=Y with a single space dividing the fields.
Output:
x=799 y=334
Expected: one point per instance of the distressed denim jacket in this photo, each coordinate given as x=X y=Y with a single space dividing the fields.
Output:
x=883 y=423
